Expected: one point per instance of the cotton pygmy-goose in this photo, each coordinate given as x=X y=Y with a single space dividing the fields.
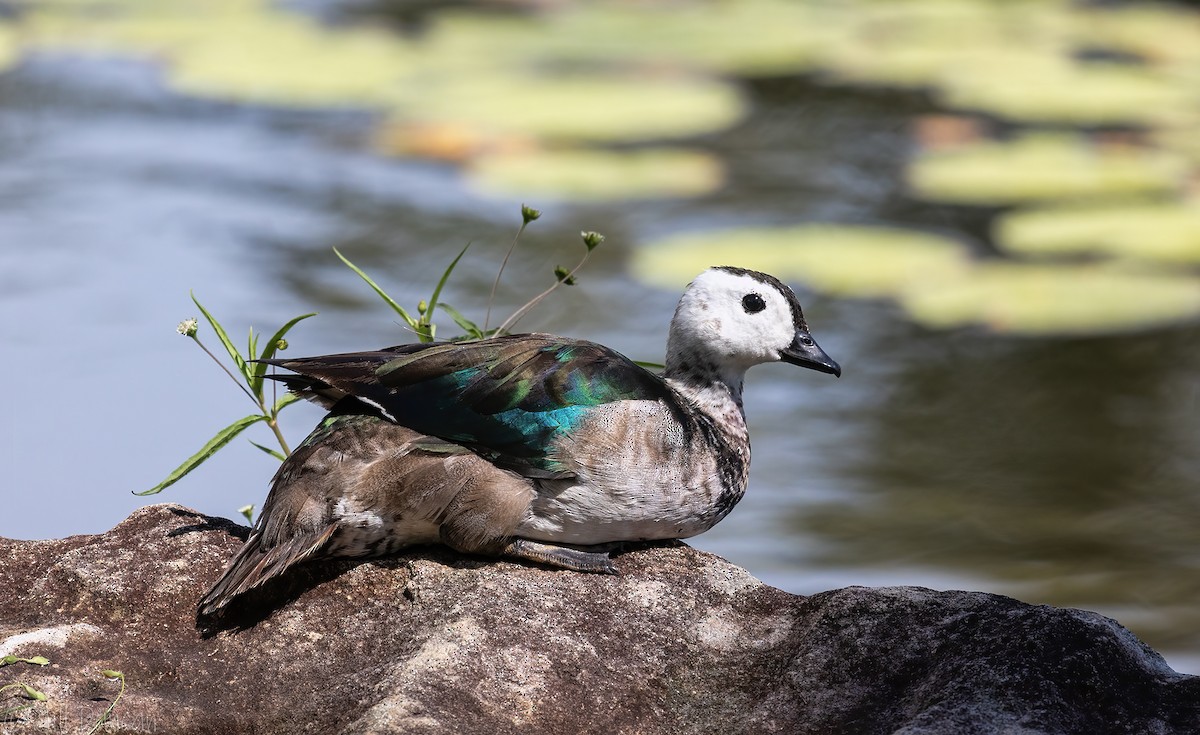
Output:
x=525 y=446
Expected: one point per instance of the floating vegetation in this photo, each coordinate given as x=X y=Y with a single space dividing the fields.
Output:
x=1035 y=87
x=1181 y=139
x=746 y=37
x=1162 y=35
x=293 y=62
x=840 y=259
x=1166 y=231
x=915 y=44
x=934 y=280
x=530 y=104
x=1042 y=167
x=574 y=107
x=10 y=50
x=1055 y=299
x=598 y=174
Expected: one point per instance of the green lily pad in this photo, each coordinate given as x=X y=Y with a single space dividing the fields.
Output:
x=1164 y=35
x=135 y=27
x=241 y=50
x=598 y=175
x=841 y=259
x=583 y=107
x=1055 y=299
x=1182 y=138
x=1155 y=231
x=916 y=44
x=1042 y=167
x=746 y=37
x=10 y=48
x=1057 y=89
x=289 y=60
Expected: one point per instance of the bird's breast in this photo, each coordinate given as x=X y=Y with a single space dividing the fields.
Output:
x=642 y=470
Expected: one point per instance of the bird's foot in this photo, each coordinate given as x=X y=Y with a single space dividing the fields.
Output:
x=560 y=556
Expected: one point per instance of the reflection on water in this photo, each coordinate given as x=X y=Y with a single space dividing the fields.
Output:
x=1061 y=471
x=1064 y=471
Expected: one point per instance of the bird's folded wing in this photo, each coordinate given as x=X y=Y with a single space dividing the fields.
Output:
x=507 y=396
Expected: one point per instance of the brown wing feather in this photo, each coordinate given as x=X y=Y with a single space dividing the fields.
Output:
x=254 y=566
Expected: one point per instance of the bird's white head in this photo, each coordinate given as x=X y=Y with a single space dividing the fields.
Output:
x=731 y=319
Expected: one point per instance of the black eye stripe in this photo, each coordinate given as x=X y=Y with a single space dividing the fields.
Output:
x=753 y=303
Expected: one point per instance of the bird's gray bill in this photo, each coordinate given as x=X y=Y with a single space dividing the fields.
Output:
x=805 y=352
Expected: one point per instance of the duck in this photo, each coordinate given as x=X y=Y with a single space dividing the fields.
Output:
x=530 y=447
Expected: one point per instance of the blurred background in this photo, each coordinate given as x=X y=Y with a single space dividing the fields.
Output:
x=989 y=210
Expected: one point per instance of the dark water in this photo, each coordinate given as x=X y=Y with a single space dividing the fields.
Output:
x=1062 y=471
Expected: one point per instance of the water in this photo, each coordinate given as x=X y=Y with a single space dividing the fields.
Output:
x=1059 y=471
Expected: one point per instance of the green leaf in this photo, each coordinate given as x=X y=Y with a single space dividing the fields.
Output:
x=33 y=693
x=413 y=323
x=437 y=291
x=233 y=352
x=111 y=674
x=248 y=511
x=260 y=368
x=223 y=437
x=273 y=452
x=471 y=328
x=286 y=399
x=35 y=660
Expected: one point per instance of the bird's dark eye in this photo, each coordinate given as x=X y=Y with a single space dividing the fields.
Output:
x=753 y=303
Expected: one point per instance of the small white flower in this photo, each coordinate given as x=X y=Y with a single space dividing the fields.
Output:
x=187 y=327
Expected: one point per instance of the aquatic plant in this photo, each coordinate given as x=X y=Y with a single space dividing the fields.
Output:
x=249 y=371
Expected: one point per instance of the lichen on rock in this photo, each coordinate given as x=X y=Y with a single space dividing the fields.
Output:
x=434 y=642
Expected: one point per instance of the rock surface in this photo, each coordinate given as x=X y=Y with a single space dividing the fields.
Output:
x=432 y=642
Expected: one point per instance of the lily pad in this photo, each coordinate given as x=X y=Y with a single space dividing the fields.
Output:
x=915 y=44
x=1162 y=34
x=746 y=37
x=840 y=259
x=1156 y=231
x=599 y=175
x=1058 y=89
x=1182 y=138
x=577 y=107
x=10 y=48
x=1043 y=167
x=1055 y=299
x=288 y=60
x=241 y=50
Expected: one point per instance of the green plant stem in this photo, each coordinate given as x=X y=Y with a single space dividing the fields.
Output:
x=113 y=705
x=236 y=382
x=273 y=422
x=520 y=313
x=487 y=316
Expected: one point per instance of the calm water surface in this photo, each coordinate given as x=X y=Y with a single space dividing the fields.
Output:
x=1059 y=471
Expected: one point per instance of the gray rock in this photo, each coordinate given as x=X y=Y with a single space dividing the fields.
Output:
x=433 y=642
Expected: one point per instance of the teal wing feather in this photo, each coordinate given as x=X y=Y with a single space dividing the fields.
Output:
x=507 y=397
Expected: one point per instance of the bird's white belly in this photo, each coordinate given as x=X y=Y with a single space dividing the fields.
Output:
x=579 y=514
x=637 y=477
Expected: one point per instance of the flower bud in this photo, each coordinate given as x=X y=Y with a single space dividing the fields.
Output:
x=564 y=275
x=591 y=239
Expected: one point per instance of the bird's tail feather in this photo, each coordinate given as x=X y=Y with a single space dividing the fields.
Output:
x=253 y=566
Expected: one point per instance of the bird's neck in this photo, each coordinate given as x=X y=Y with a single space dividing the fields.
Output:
x=715 y=391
